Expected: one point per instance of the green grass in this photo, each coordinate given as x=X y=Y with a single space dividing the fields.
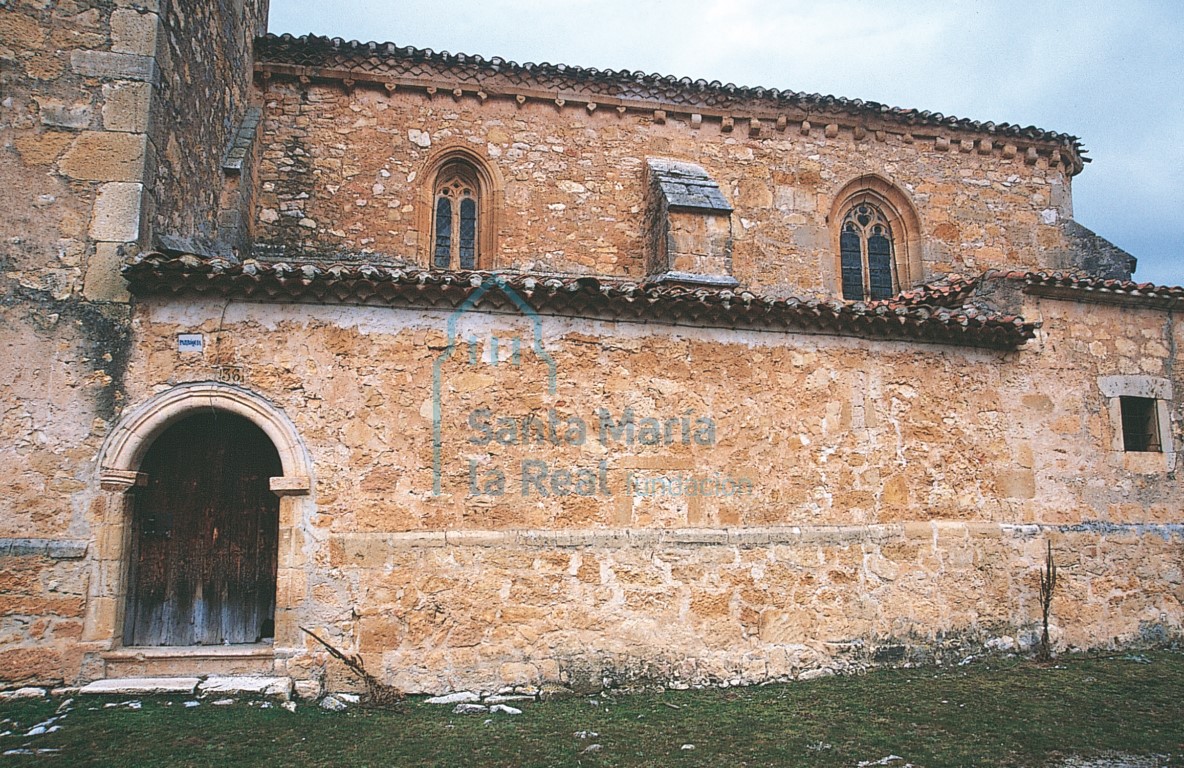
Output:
x=1001 y=712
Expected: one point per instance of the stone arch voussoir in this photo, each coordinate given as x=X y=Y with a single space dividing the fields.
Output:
x=120 y=459
x=124 y=449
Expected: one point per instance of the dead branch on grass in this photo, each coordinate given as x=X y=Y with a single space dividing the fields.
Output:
x=378 y=693
x=1048 y=582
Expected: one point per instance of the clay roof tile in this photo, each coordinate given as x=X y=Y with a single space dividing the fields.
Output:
x=387 y=59
x=940 y=311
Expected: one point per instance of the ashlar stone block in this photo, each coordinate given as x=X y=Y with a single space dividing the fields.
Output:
x=142 y=686
x=248 y=685
x=127 y=106
x=133 y=32
x=103 y=281
x=105 y=156
x=116 y=216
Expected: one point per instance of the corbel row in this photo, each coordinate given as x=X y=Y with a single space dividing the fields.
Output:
x=763 y=125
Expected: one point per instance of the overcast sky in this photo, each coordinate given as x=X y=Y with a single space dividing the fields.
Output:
x=1109 y=72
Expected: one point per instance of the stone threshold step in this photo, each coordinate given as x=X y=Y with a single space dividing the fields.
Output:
x=248 y=685
x=175 y=652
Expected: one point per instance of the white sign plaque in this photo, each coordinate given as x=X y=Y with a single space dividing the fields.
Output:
x=190 y=342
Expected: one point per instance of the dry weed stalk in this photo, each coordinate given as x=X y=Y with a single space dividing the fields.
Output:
x=378 y=693
x=1048 y=582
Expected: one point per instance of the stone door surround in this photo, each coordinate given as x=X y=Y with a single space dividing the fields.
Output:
x=119 y=463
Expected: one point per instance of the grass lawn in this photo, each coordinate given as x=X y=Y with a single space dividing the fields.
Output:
x=997 y=712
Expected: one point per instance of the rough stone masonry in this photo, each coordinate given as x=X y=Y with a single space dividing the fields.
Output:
x=646 y=439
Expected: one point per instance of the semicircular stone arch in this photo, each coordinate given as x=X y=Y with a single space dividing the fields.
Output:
x=124 y=449
x=120 y=460
x=901 y=216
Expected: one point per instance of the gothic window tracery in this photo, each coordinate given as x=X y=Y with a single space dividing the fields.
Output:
x=455 y=218
x=867 y=254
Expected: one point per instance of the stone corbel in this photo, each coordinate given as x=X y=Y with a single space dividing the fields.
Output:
x=121 y=480
x=296 y=485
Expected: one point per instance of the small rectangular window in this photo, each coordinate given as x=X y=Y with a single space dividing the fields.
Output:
x=1140 y=424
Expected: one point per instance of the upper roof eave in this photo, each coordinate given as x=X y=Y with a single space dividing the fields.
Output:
x=1075 y=286
x=334 y=56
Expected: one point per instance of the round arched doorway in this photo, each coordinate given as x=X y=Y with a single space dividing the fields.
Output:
x=204 y=535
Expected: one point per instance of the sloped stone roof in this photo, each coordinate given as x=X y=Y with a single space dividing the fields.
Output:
x=686 y=186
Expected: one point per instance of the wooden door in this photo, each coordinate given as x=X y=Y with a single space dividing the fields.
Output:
x=205 y=536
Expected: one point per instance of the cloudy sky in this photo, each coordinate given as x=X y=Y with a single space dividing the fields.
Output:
x=1109 y=72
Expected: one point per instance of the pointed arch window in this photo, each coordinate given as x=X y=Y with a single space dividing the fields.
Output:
x=877 y=240
x=455 y=241
x=866 y=253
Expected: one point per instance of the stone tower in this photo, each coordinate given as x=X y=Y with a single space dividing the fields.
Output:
x=122 y=128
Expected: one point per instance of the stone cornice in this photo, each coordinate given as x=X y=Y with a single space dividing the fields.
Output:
x=756 y=112
x=372 y=549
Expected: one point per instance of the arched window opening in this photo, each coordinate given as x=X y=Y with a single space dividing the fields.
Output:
x=457 y=210
x=454 y=225
x=877 y=240
x=866 y=254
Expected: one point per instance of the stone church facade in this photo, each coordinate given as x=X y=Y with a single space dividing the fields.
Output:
x=497 y=373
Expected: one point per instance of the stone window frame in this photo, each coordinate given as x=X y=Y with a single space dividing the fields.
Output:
x=1156 y=388
x=899 y=215
x=456 y=191
x=446 y=164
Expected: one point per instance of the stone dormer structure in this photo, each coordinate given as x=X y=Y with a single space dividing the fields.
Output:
x=689 y=224
x=500 y=373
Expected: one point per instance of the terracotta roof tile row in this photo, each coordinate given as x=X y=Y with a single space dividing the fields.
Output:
x=948 y=292
x=390 y=60
x=604 y=298
x=1085 y=287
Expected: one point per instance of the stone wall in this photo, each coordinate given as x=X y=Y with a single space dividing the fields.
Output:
x=887 y=501
x=42 y=597
x=92 y=109
x=202 y=101
x=71 y=159
x=689 y=608
x=343 y=172
x=116 y=118
x=853 y=500
x=860 y=431
x=71 y=155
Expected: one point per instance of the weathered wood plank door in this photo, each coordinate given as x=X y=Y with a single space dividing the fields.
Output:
x=205 y=536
